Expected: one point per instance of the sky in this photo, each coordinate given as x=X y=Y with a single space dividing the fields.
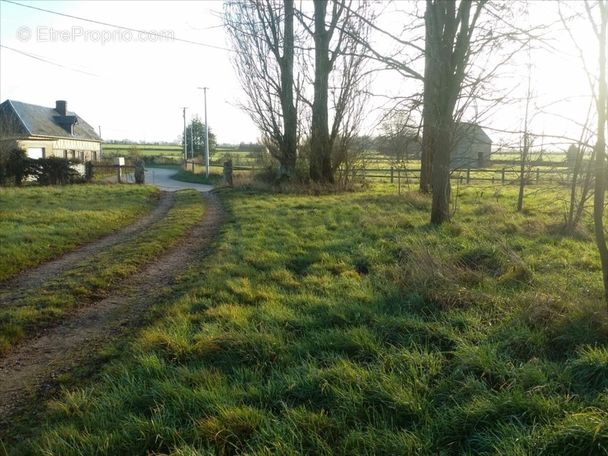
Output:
x=133 y=86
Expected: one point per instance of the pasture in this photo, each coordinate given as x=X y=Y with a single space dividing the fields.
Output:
x=345 y=324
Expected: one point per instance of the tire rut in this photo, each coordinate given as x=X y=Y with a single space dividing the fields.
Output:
x=26 y=370
x=16 y=287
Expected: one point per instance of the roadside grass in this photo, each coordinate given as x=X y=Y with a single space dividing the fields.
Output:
x=39 y=223
x=345 y=324
x=95 y=277
x=197 y=178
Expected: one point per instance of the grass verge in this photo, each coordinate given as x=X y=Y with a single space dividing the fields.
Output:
x=190 y=177
x=99 y=275
x=39 y=223
x=344 y=324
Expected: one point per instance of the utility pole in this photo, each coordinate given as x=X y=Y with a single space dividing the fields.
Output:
x=206 y=137
x=206 y=134
x=100 y=147
x=185 y=150
x=192 y=139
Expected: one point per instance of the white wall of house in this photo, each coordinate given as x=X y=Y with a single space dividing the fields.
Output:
x=63 y=148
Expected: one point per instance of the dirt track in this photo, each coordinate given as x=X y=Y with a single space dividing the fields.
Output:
x=14 y=288
x=26 y=370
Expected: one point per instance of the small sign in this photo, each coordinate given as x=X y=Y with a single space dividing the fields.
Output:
x=120 y=161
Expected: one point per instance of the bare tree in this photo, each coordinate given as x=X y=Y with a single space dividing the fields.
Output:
x=339 y=80
x=582 y=177
x=525 y=149
x=600 y=29
x=597 y=15
x=448 y=49
x=262 y=34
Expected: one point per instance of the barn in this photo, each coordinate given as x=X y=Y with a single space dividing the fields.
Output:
x=472 y=147
x=47 y=132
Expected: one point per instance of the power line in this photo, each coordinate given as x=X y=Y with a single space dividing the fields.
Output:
x=47 y=61
x=107 y=24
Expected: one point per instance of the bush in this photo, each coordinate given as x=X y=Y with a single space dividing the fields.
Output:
x=15 y=166
x=54 y=171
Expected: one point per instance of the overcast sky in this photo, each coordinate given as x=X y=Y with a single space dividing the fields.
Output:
x=134 y=85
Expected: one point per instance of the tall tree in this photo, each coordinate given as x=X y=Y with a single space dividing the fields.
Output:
x=449 y=29
x=597 y=15
x=196 y=130
x=320 y=155
x=600 y=29
x=525 y=149
x=262 y=34
x=339 y=35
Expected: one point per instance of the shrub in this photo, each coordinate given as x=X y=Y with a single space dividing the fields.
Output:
x=54 y=171
x=17 y=166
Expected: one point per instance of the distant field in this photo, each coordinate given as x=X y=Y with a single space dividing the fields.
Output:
x=146 y=150
x=162 y=150
x=38 y=223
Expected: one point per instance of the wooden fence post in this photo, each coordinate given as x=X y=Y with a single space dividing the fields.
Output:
x=502 y=177
x=399 y=181
x=468 y=175
x=228 y=172
x=537 y=174
x=392 y=174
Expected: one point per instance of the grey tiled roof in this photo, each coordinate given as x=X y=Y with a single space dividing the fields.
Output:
x=472 y=132
x=34 y=120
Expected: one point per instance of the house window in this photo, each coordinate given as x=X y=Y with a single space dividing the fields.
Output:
x=94 y=155
x=35 y=152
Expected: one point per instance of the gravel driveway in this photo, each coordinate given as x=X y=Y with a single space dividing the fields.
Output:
x=161 y=177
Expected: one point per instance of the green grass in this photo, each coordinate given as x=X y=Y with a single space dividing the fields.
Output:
x=97 y=276
x=39 y=223
x=188 y=176
x=145 y=150
x=345 y=324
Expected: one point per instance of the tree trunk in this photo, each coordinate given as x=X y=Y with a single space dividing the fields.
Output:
x=426 y=158
x=526 y=146
x=600 y=154
x=289 y=143
x=522 y=173
x=440 y=177
x=320 y=153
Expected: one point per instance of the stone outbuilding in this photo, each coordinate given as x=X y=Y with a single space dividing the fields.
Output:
x=472 y=147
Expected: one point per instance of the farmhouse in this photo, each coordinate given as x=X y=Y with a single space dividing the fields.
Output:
x=47 y=132
x=472 y=147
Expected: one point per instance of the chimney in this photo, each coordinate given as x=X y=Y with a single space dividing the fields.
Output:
x=61 y=106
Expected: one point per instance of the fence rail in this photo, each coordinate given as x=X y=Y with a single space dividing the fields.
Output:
x=503 y=175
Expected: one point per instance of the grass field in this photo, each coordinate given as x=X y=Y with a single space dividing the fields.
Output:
x=345 y=324
x=95 y=277
x=146 y=150
x=165 y=150
x=38 y=223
